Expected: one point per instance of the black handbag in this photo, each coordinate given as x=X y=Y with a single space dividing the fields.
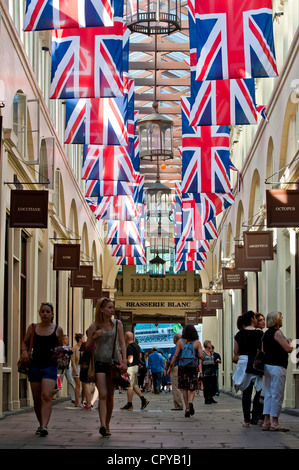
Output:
x=259 y=362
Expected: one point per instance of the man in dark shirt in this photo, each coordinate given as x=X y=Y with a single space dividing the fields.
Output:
x=133 y=356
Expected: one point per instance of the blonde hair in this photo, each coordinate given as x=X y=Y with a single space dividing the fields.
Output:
x=98 y=314
x=273 y=318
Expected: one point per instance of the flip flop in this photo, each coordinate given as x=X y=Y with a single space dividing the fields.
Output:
x=279 y=428
x=266 y=428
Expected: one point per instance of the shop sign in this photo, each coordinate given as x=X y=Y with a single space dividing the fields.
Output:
x=94 y=291
x=191 y=318
x=126 y=318
x=82 y=277
x=282 y=207
x=258 y=245
x=246 y=264
x=214 y=301
x=207 y=312
x=28 y=208
x=232 y=278
x=66 y=257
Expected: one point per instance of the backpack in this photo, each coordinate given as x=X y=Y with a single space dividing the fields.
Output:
x=188 y=356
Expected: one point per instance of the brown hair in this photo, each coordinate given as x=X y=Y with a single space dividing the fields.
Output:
x=98 y=314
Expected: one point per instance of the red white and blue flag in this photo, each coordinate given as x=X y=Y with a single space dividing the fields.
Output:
x=96 y=188
x=136 y=261
x=189 y=266
x=191 y=246
x=130 y=251
x=116 y=208
x=205 y=156
x=120 y=232
x=191 y=256
x=100 y=121
x=107 y=162
x=222 y=102
x=58 y=14
x=92 y=203
x=231 y=39
x=90 y=62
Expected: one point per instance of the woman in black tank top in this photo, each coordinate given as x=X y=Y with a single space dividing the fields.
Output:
x=43 y=372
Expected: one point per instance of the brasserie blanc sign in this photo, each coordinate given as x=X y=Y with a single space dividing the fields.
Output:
x=158 y=304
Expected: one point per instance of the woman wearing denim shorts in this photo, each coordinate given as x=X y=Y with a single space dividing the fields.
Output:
x=43 y=372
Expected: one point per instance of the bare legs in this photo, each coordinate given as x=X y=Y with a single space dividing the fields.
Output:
x=42 y=396
x=106 y=398
x=188 y=397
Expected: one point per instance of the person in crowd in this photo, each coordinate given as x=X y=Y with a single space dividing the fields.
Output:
x=101 y=333
x=133 y=359
x=156 y=366
x=276 y=348
x=217 y=359
x=208 y=373
x=142 y=371
x=43 y=371
x=75 y=361
x=86 y=386
x=176 y=393
x=166 y=376
x=246 y=344
x=260 y=321
x=188 y=374
x=68 y=371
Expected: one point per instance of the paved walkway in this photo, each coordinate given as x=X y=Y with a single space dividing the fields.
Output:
x=217 y=426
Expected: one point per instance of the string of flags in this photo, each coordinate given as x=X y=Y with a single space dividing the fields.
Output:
x=231 y=44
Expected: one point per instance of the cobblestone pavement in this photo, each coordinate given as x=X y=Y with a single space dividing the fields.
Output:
x=157 y=428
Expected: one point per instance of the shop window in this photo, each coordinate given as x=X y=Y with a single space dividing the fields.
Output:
x=46 y=162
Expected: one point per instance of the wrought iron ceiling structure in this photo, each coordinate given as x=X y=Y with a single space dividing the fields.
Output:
x=172 y=82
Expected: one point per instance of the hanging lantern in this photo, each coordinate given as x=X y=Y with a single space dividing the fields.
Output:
x=155 y=136
x=154 y=17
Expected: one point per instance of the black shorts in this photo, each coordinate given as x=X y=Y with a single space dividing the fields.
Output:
x=102 y=367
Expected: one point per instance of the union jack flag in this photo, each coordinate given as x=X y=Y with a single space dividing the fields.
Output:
x=191 y=246
x=58 y=14
x=189 y=266
x=231 y=39
x=131 y=261
x=209 y=204
x=193 y=226
x=95 y=188
x=130 y=251
x=100 y=121
x=92 y=203
x=123 y=232
x=206 y=159
x=222 y=102
x=89 y=62
x=191 y=256
x=262 y=110
x=107 y=162
x=116 y=208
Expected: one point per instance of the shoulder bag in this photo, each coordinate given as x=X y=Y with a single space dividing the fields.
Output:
x=118 y=376
x=24 y=365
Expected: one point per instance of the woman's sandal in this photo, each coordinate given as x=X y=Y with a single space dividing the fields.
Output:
x=279 y=428
x=187 y=413
x=265 y=427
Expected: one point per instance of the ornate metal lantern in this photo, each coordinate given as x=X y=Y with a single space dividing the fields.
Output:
x=154 y=16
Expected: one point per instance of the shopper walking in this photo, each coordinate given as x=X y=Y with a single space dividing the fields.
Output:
x=208 y=373
x=75 y=362
x=43 y=370
x=217 y=360
x=173 y=371
x=188 y=350
x=101 y=333
x=247 y=342
x=276 y=348
x=156 y=366
x=133 y=359
x=68 y=371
